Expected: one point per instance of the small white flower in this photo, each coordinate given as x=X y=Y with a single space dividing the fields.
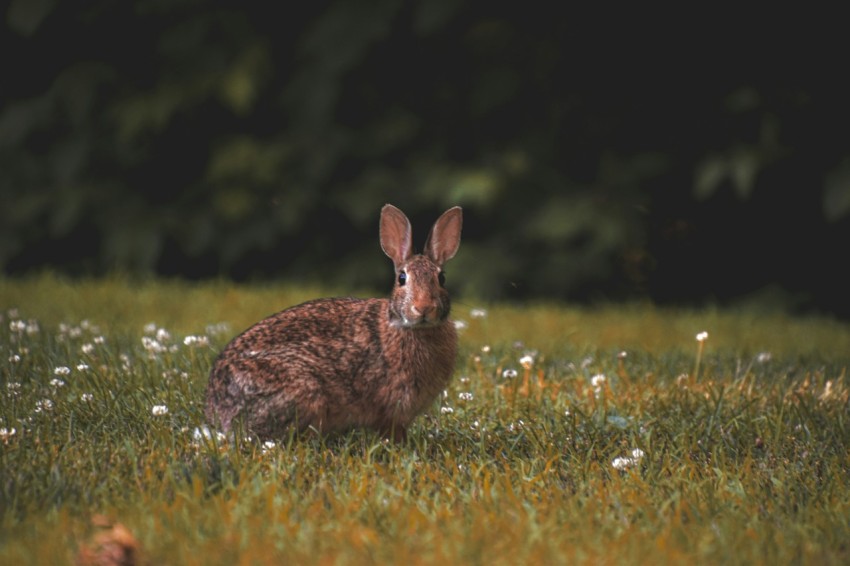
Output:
x=62 y=370
x=460 y=324
x=763 y=357
x=159 y=410
x=204 y=432
x=13 y=387
x=163 y=335
x=17 y=326
x=7 y=433
x=446 y=410
x=526 y=361
x=83 y=367
x=32 y=327
x=509 y=373
x=465 y=396
x=14 y=358
x=597 y=381
x=199 y=341
x=622 y=463
x=56 y=382
x=43 y=405
x=702 y=336
x=152 y=346
x=86 y=397
x=485 y=349
x=99 y=340
x=478 y=313
x=268 y=445
x=87 y=348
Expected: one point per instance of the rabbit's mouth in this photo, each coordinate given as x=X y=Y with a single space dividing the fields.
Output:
x=428 y=320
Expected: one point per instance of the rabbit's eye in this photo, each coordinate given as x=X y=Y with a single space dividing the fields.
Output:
x=442 y=278
x=402 y=278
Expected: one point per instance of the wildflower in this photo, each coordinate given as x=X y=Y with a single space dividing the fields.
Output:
x=465 y=396
x=268 y=445
x=83 y=367
x=7 y=433
x=32 y=327
x=62 y=370
x=86 y=397
x=13 y=387
x=597 y=381
x=204 y=432
x=478 y=313
x=763 y=357
x=17 y=326
x=621 y=463
x=87 y=348
x=526 y=361
x=460 y=324
x=509 y=373
x=43 y=406
x=56 y=382
x=446 y=410
x=163 y=335
x=159 y=410
x=199 y=341
x=14 y=358
x=485 y=349
x=98 y=339
x=152 y=346
x=702 y=336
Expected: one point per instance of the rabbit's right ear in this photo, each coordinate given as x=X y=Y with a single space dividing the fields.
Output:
x=396 y=235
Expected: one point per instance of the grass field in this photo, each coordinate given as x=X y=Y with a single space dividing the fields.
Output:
x=606 y=435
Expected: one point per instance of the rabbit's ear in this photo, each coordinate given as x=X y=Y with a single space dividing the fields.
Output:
x=444 y=239
x=396 y=238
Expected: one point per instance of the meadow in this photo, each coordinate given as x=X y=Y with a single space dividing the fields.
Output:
x=598 y=435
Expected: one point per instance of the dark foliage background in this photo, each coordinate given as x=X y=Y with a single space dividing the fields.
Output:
x=598 y=153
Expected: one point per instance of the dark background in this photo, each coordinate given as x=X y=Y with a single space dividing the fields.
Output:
x=689 y=157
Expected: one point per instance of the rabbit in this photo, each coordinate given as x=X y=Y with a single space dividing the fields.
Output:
x=341 y=363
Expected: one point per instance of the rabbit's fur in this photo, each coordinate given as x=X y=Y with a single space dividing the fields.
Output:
x=335 y=364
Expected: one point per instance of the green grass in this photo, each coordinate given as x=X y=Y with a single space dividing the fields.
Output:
x=747 y=462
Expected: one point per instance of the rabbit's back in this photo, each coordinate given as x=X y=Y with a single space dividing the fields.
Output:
x=330 y=364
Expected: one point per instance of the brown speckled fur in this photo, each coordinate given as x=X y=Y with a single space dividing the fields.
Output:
x=335 y=364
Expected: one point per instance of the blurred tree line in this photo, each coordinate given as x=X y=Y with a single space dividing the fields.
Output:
x=597 y=154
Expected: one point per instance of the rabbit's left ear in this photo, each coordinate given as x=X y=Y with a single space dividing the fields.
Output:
x=444 y=239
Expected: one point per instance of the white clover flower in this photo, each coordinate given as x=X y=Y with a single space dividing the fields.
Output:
x=446 y=410
x=163 y=335
x=43 y=405
x=159 y=410
x=87 y=348
x=465 y=396
x=56 y=382
x=204 y=432
x=83 y=367
x=460 y=324
x=702 y=336
x=62 y=370
x=86 y=397
x=509 y=373
x=621 y=463
x=526 y=361
x=598 y=380
x=152 y=346
x=478 y=313
x=198 y=341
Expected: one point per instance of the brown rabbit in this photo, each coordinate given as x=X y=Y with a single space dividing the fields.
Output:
x=335 y=364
